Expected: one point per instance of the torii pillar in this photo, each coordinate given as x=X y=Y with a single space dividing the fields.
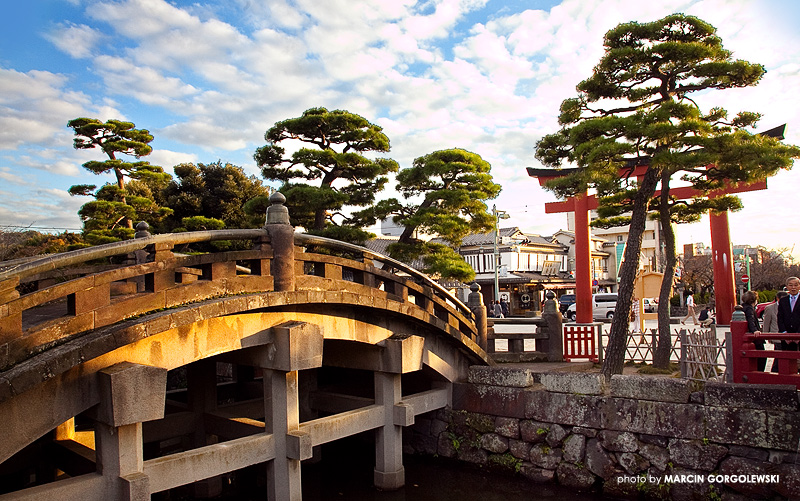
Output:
x=583 y=261
x=722 y=258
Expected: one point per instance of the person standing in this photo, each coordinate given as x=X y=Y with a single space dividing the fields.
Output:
x=770 y=317
x=789 y=312
x=504 y=307
x=749 y=300
x=690 y=310
x=498 y=310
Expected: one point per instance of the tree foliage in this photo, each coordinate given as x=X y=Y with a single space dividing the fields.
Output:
x=445 y=193
x=110 y=216
x=213 y=191
x=770 y=271
x=26 y=243
x=334 y=160
x=698 y=273
x=635 y=111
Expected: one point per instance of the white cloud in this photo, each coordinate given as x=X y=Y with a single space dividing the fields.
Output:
x=9 y=177
x=49 y=208
x=152 y=17
x=36 y=106
x=77 y=40
x=205 y=134
x=145 y=84
x=168 y=159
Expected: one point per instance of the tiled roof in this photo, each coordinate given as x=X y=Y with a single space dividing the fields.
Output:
x=381 y=246
x=488 y=238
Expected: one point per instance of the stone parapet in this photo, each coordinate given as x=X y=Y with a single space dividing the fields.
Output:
x=660 y=389
x=641 y=436
x=501 y=376
x=752 y=396
x=581 y=383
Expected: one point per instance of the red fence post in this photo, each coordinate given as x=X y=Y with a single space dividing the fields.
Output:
x=742 y=342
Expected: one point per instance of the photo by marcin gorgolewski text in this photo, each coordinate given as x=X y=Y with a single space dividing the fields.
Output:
x=698 y=479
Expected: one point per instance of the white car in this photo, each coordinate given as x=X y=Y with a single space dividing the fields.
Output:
x=603 y=306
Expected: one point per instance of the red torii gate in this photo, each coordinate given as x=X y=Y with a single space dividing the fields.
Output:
x=722 y=251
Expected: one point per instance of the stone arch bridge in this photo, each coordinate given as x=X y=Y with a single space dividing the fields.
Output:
x=122 y=380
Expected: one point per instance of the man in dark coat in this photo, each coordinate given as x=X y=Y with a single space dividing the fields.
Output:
x=789 y=311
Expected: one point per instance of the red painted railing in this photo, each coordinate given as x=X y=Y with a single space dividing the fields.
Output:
x=744 y=357
x=580 y=342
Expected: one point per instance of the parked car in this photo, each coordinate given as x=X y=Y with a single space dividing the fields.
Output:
x=603 y=306
x=564 y=301
x=760 y=308
x=650 y=305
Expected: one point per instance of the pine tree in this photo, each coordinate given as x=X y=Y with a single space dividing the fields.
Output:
x=636 y=109
x=110 y=216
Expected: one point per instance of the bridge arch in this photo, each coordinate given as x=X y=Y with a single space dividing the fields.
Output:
x=106 y=361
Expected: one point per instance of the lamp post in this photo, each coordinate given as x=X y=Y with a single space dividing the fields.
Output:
x=498 y=215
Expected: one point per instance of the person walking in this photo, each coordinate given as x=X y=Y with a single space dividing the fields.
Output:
x=690 y=310
x=749 y=300
x=770 y=318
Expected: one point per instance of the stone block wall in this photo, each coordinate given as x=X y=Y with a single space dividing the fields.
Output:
x=635 y=436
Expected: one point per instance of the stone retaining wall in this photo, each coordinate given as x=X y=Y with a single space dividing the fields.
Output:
x=657 y=437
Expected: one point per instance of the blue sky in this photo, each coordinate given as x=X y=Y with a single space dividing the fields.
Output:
x=208 y=78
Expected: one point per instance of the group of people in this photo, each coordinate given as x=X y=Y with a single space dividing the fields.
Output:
x=705 y=318
x=781 y=316
x=500 y=309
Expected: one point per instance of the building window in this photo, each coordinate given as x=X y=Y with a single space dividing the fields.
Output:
x=619 y=238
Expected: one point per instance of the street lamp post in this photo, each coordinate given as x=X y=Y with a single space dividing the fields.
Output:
x=498 y=215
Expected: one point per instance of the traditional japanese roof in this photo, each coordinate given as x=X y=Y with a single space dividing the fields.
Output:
x=381 y=246
x=478 y=239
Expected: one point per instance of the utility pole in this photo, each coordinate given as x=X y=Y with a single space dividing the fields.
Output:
x=498 y=215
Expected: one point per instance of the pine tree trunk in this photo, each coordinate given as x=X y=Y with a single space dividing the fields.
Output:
x=121 y=184
x=618 y=336
x=664 y=348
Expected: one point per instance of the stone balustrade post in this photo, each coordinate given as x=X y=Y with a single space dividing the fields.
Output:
x=130 y=394
x=281 y=234
x=10 y=319
x=476 y=306
x=389 y=471
x=553 y=345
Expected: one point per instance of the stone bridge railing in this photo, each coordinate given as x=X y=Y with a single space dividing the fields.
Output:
x=47 y=302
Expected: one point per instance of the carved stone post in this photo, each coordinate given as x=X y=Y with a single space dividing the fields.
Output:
x=297 y=346
x=130 y=394
x=201 y=379
x=281 y=234
x=476 y=306
x=389 y=471
x=553 y=345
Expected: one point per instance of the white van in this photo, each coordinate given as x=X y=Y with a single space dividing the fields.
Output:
x=603 y=306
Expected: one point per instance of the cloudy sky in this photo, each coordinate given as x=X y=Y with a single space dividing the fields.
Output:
x=209 y=77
